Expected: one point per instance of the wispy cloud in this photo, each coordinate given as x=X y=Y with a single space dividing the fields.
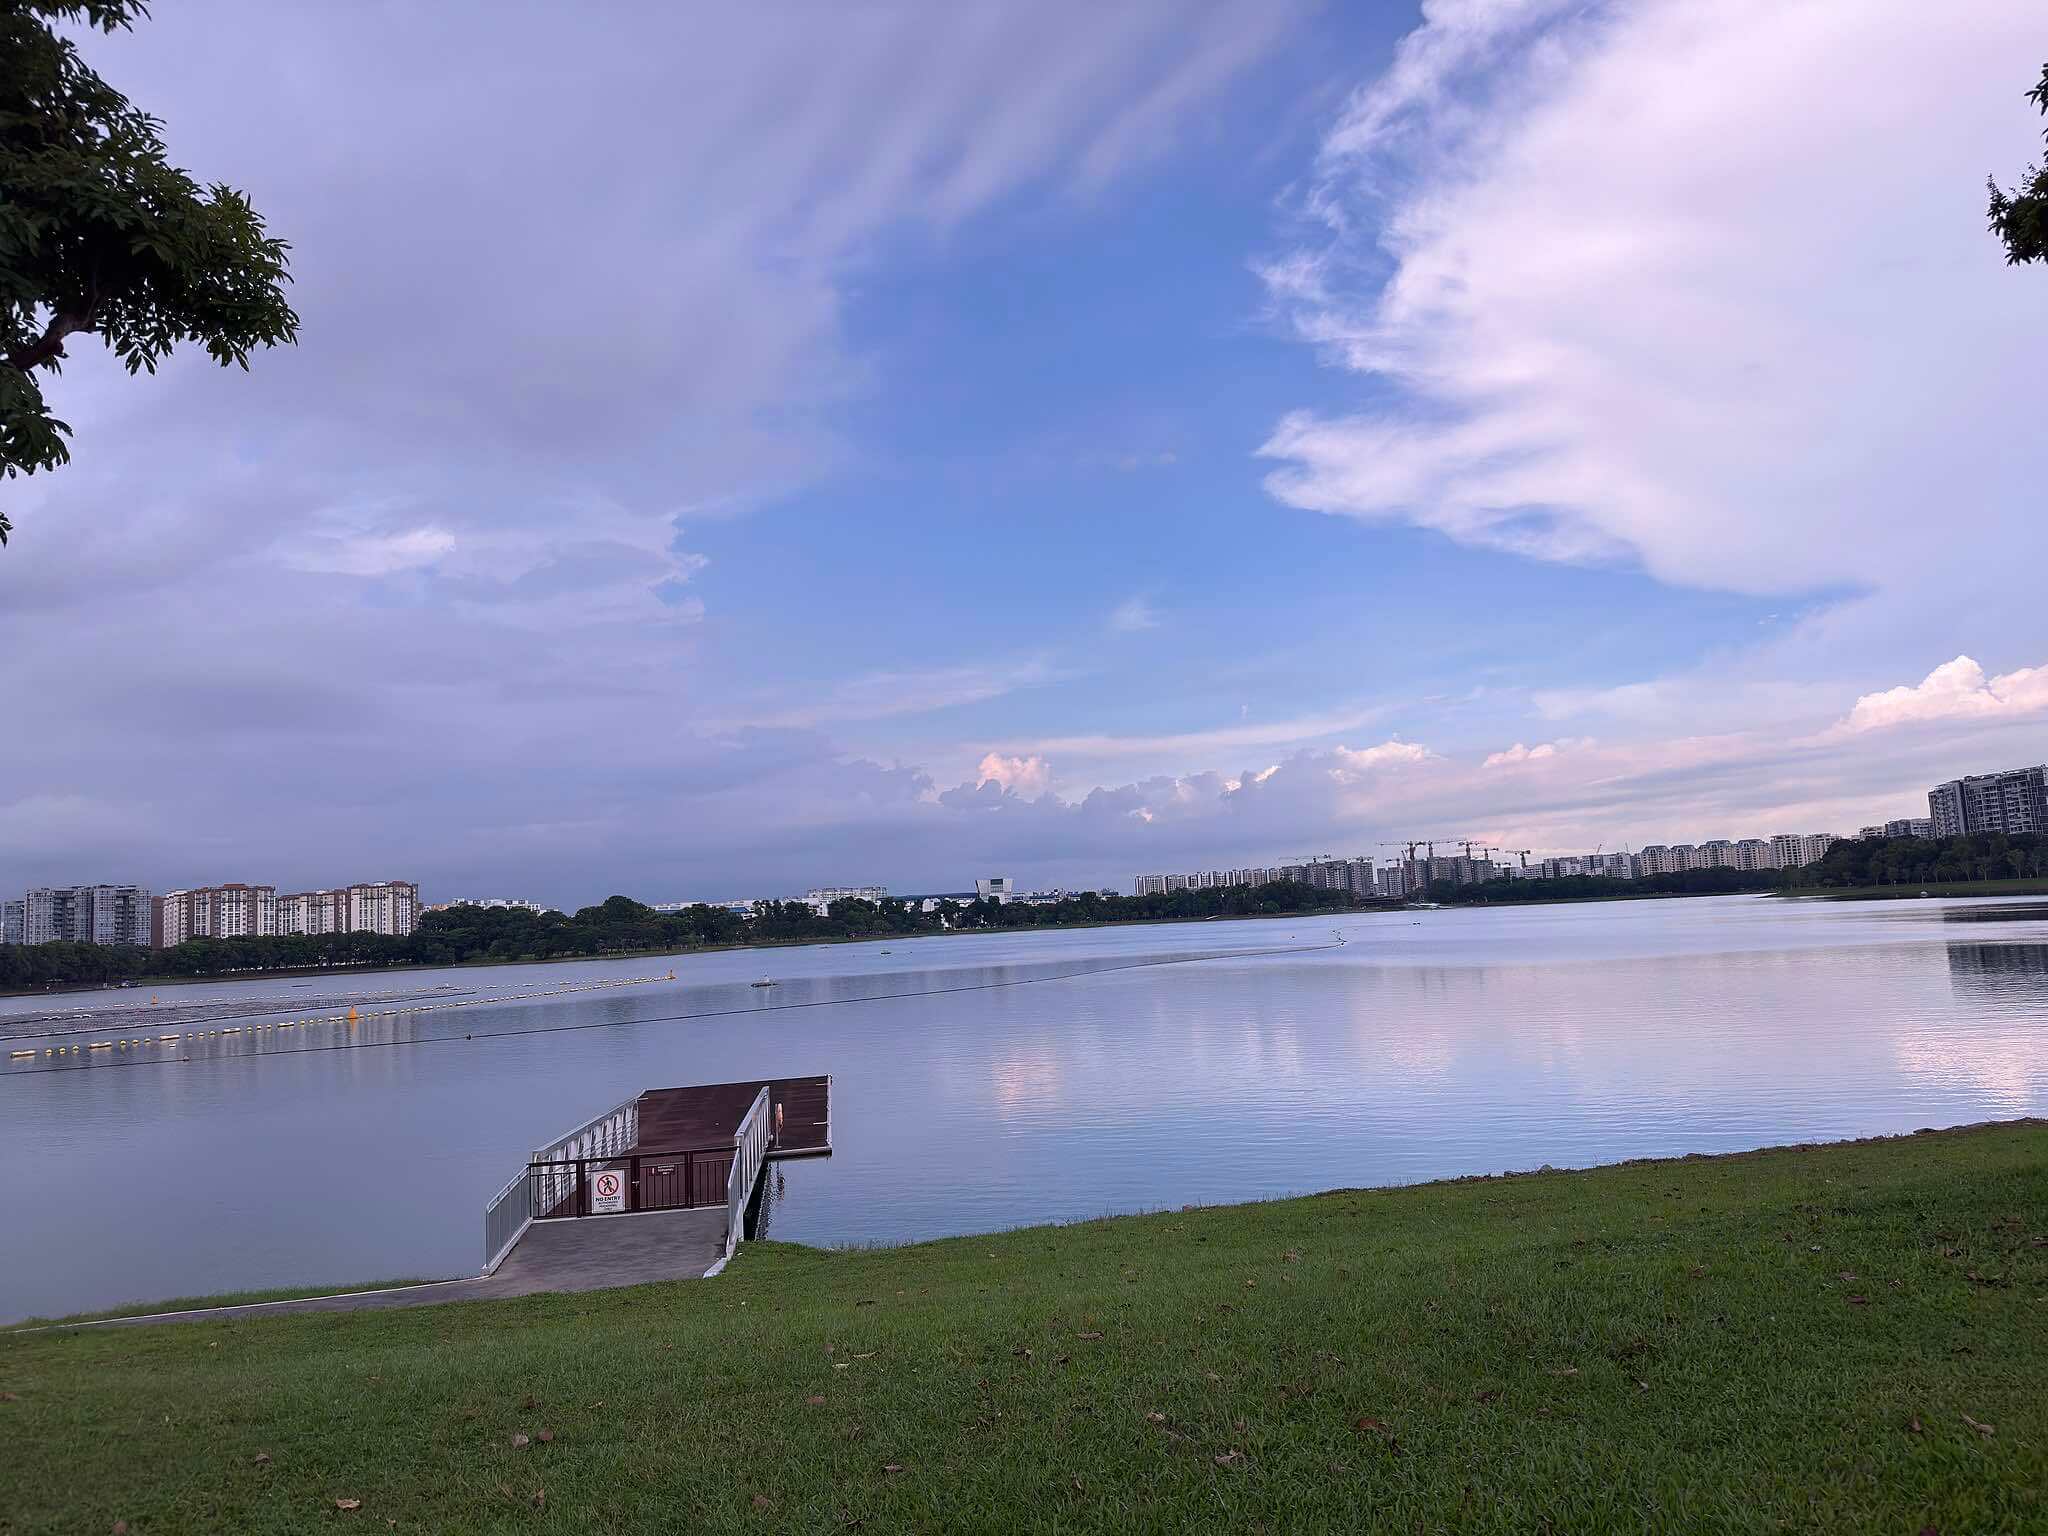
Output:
x=1733 y=433
x=1199 y=744
x=889 y=694
x=1132 y=615
x=370 y=554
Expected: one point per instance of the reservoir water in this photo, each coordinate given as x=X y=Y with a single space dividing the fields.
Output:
x=992 y=1081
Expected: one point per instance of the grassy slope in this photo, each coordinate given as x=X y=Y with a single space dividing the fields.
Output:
x=221 y=1299
x=1665 y=1347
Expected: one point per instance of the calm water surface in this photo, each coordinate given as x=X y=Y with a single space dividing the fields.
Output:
x=1042 y=1076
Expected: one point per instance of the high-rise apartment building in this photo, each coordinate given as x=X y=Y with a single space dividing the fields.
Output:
x=389 y=907
x=116 y=914
x=83 y=914
x=312 y=912
x=13 y=919
x=231 y=911
x=2013 y=801
x=1792 y=849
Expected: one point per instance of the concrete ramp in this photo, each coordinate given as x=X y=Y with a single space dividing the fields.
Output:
x=592 y=1254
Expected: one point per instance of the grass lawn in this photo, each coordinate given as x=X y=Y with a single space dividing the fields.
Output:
x=1848 y=1338
x=222 y=1299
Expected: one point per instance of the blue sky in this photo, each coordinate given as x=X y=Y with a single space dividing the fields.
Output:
x=897 y=443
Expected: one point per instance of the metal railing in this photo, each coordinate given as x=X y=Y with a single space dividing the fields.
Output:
x=613 y=1131
x=557 y=1180
x=750 y=1151
x=508 y=1213
x=506 y=1218
x=685 y=1179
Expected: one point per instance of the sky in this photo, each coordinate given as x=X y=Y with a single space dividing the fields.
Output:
x=733 y=449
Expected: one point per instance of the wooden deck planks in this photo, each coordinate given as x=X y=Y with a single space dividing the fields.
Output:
x=672 y=1119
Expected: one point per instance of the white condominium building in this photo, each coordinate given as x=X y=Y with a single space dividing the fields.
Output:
x=821 y=898
x=237 y=911
x=83 y=914
x=389 y=907
x=231 y=911
x=2012 y=802
x=313 y=912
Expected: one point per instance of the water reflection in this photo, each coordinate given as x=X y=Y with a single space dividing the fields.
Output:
x=1998 y=967
x=1049 y=1076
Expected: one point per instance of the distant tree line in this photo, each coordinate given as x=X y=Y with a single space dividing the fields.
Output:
x=619 y=925
x=1927 y=861
x=1853 y=862
x=1683 y=882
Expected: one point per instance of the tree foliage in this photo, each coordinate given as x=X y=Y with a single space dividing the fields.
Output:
x=100 y=234
x=618 y=925
x=2019 y=218
x=1918 y=861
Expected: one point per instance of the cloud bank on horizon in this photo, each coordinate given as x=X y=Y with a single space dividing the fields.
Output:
x=825 y=456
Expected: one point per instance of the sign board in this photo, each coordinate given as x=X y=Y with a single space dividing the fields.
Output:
x=607 y=1192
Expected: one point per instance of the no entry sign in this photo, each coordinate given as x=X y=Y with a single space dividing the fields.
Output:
x=608 y=1191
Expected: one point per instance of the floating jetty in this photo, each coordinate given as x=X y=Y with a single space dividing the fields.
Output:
x=691 y=1157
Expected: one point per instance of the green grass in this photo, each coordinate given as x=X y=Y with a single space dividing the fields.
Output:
x=223 y=1299
x=1671 y=1347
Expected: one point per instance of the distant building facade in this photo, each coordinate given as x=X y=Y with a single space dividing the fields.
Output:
x=231 y=911
x=82 y=914
x=237 y=911
x=2012 y=802
x=1914 y=826
x=820 y=899
x=389 y=907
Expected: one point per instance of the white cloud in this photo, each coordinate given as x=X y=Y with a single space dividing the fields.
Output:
x=1520 y=754
x=1133 y=614
x=1354 y=765
x=1028 y=776
x=1955 y=690
x=1704 y=287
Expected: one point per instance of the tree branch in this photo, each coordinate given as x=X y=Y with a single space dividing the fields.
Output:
x=51 y=343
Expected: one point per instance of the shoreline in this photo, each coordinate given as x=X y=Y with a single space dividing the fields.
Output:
x=252 y=1300
x=340 y=971
x=1953 y=890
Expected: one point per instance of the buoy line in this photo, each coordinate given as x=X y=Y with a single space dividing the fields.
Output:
x=669 y=1018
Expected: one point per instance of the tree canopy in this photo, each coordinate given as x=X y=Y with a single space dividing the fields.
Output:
x=100 y=234
x=2019 y=218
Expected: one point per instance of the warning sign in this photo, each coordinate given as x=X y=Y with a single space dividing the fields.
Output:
x=607 y=1191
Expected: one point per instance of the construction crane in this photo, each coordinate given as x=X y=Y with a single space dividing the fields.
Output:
x=1522 y=853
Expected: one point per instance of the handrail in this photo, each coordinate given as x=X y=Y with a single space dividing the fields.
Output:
x=750 y=1150
x=506 y=1218
x=644 y=1153
x=614 y=1130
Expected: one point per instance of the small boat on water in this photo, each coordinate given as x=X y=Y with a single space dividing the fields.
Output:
x=765 y=981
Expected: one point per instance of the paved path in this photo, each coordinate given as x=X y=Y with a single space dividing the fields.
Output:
x=592 y=1253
